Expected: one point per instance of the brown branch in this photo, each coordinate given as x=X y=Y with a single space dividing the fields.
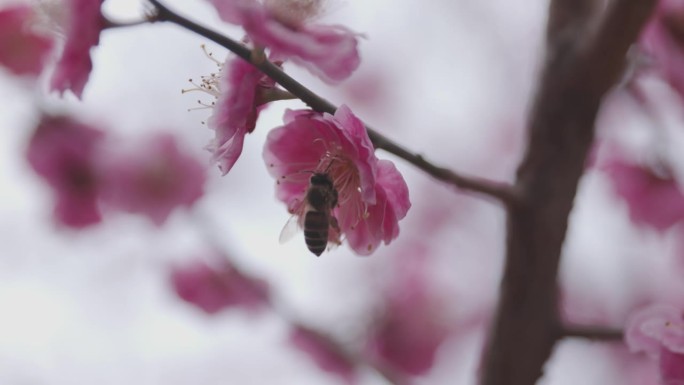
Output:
x=498 y=190
x=561 y=128
x=592 y=333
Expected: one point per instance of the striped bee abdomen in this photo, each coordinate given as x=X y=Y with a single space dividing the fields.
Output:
x=316 y=225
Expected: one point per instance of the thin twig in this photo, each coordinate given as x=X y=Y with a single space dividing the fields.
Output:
x=592 y=333
x=498 y=190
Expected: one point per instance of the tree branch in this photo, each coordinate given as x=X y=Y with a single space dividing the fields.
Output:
x=498 y=190
x=577 y=75
x=592 y=333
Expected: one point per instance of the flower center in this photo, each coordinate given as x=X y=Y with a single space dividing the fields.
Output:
x=293 y=12
x=346 y=180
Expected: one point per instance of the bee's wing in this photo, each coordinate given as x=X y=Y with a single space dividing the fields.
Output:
x=290 y=229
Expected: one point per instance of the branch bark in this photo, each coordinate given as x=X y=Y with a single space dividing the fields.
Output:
x=592 y=333
x=578 y=73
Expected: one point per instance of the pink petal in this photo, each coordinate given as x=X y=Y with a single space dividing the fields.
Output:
x=82 y=34
x=329 y=52
x=364 y=147
x=21 y=50
x=646 y=327
x=236 y=111
x=671 y=367
x=395 y=187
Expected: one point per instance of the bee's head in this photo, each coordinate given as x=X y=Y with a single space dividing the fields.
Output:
x=321 y=179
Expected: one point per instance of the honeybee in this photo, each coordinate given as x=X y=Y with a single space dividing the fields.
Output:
x=314 y=215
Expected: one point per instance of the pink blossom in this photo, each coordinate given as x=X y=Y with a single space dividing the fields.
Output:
x=22 y=50
x=325 y=353
x=330 y=52
x=153 y=179
x=412 y=325
x=373 y=195
x=653 y=197
x=243 y=90
x=64 y=152
x=663 y=39
x=217 y=285
x=82 y=31
x=658 y=330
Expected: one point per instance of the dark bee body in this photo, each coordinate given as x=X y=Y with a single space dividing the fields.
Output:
x=321 y=198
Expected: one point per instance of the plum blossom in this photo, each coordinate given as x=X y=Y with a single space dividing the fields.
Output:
x=325 y=353
x=658 y=330
x=412 y=325
x=214 y=285
x=242 y=91
x=373 y=195
x=64 y=152
x=653 y=196
x=23 y=50
x=153 y=179
x=329 y=52
x=82 y=28
x=662 y=39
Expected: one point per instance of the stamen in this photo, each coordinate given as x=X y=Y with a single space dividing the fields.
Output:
x=209 y=84
x=210 y=55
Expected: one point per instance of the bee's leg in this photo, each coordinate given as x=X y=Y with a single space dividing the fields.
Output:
x=335 y=231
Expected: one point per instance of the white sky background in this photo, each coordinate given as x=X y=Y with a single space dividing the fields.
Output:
x=453 y=78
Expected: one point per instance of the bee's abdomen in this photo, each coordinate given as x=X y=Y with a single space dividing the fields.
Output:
x=316 y=231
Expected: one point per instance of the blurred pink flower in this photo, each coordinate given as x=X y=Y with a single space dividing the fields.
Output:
x=329 y=52
x=658 y=330
x=64 y=152
x=663 y=40
x=22 y=50
x=412 y=325
x=373 y=195
x=242 y=92
x=217 y=285
x=325 y=353
x=83 y=26
x=653 y=198
x=153 y=179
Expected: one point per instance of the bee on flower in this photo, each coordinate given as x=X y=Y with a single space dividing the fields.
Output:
x=372 y=196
